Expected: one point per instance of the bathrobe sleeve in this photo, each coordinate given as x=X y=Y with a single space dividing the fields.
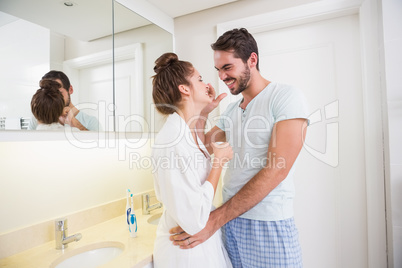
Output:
x=179 y=188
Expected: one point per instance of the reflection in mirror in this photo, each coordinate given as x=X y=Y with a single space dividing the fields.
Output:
x=136 y=49
x=43 y=35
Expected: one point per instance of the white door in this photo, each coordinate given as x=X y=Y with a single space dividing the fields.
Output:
x=122 y=109
x=323 y=60
x=96 y=88
x=129 y=97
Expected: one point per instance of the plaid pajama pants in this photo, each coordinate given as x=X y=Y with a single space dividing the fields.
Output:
x=262 y=244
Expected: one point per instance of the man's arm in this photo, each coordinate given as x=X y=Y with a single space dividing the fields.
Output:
x=69 y=119
x=75 y=123
x=214 y=135
x=286 y=142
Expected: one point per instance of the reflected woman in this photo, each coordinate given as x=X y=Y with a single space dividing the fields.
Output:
x=48 y=106
x=185 y=177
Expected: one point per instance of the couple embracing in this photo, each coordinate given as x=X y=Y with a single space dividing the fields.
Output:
x=258 y=138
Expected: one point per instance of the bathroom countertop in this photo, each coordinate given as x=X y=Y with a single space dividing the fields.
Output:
x=137 y=251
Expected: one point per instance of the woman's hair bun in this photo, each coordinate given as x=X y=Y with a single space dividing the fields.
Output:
x=165 y=61
x=49 y=84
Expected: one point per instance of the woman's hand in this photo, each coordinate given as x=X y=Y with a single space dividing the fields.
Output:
x=67 y=117
x=215 y=101
x=64 y=118
x=223 y=152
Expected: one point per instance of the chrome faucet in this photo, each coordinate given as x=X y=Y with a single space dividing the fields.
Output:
x=62 y=240
x=146 y=208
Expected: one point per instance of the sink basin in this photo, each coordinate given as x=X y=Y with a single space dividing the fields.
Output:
x=154 y=219
x=89 y=256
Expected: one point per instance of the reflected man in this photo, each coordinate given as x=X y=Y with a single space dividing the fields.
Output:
x=73 y=116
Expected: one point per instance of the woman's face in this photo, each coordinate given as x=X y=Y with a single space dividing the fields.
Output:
x=201 y=94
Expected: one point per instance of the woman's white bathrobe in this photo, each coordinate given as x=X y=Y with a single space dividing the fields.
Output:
x=180 y=171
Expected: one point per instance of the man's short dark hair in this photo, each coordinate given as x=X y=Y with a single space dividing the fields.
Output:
x=240 y=42
x=53 y=75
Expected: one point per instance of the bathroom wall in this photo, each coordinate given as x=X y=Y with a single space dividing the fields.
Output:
x=17 y=87
x=392 y=21
x=43 y=180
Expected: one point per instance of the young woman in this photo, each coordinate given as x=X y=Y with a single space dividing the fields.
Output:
x=185 y=177
x=48 y=107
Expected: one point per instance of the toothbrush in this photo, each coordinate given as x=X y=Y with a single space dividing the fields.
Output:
x=133 y=225
x=128 y=208
x=133 y=220
x=132 y=203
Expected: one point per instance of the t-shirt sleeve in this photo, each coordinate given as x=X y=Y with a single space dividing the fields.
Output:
x=93 y=124
x=178 y=187
x=88 y=121
x=290 y=103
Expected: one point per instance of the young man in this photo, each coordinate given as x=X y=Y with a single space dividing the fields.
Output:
x=266 y=129
x=74 y=118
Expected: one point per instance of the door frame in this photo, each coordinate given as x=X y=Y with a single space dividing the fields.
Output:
x=129 y=52
x=373 y=94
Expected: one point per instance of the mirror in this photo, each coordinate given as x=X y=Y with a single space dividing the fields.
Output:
x=77 y=38
x=136 y=49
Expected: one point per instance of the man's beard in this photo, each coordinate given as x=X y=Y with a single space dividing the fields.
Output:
x=68 y=100
x=243 y=81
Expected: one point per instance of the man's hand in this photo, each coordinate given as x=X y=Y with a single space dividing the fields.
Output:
x=68 y=118
x=186 y=241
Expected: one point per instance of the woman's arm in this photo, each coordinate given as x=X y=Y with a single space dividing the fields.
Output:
x=178 y=183
x=222 y=154
x=215 y=134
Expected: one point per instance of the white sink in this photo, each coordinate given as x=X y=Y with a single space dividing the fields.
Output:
x=90 y=256
x=154 y=219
